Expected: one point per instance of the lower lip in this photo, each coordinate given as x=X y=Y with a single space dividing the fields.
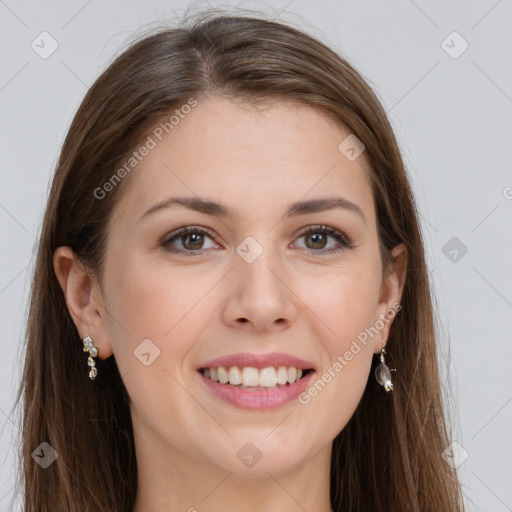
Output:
x=258 y=400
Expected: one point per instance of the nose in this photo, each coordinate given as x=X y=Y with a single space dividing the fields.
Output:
x=260 y=294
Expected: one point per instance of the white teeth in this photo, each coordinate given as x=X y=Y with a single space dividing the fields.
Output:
x=223 y=375
x=268 y=377
x=282 y=375
x=235 y=377
x=249 y=376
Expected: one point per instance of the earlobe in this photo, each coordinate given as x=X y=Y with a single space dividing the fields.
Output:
x=83 y=298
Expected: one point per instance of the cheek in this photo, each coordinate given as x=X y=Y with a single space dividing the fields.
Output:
x=153 y=326
x=151 y=298
x=344 y=302
x=345 y=305
x=346 y=311
x=155 y=301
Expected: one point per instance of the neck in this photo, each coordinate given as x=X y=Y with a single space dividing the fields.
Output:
x=172 y=481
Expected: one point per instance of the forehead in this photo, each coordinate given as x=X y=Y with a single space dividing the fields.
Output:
x=251 y=159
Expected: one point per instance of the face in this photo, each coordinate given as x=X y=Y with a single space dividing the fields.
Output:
x=256 y=280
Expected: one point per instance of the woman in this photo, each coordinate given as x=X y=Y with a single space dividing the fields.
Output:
x=230 y=304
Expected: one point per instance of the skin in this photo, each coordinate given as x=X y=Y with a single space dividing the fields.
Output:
x=309 y=304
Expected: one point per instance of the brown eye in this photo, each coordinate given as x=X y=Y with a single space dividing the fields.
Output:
x=190 y=238
x=192 y=241
x=317 y=239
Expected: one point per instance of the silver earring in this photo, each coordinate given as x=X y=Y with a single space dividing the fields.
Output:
x=383 y=373
x=93 y=352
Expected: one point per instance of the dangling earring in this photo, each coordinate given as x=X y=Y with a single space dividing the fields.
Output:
x=383 y=373
x=93 y=352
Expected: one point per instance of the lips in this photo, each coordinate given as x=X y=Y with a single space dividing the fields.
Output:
x=256 y=399
x=259 y=361
x=273 y=391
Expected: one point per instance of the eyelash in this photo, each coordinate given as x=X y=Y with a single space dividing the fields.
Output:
x=337 y=235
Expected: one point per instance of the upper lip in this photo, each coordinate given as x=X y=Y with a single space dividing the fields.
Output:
x=275 y=359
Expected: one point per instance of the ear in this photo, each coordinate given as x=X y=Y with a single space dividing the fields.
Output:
x=391 y=293
x=84 y=299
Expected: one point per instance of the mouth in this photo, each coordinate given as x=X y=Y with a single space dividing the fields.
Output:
x=256 y=389
x=256 y=382
x=250 y=378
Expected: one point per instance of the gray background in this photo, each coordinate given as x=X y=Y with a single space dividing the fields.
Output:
x=452 y=115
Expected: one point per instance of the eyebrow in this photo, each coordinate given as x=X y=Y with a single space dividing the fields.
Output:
x=217 y=209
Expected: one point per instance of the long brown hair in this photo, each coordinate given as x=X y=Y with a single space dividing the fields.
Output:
x=389 y=455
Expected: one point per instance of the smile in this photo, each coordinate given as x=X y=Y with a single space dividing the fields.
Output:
x=252 y=378
x=256 y=398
